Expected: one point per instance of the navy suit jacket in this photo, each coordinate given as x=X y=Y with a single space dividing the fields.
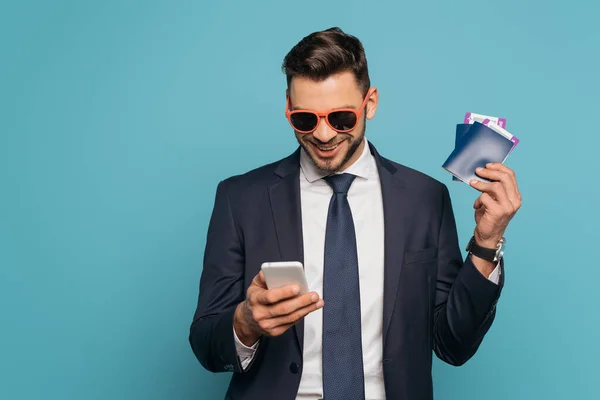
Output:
x=434 y=300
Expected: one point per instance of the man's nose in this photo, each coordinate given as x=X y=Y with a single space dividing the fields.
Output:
x=324 y=133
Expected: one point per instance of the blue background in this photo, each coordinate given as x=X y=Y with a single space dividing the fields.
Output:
x=118 y=119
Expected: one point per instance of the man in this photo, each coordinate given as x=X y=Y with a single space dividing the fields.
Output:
x=379 y=246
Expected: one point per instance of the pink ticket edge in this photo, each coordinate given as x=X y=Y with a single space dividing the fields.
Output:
x=516 y=141
x=467 y=116
x=501 y=121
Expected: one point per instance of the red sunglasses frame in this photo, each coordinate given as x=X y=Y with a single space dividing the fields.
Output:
x=325 y=114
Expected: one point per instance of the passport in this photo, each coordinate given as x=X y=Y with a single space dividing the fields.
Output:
x=469 y=119
x=461 y=131
x=476 y=145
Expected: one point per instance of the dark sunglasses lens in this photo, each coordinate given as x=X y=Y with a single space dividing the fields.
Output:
x=342 y=120
x=304 y=121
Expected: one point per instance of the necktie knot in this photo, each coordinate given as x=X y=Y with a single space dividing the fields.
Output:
x=340 y=183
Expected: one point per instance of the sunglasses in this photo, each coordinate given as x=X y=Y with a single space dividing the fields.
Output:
x=340 y=119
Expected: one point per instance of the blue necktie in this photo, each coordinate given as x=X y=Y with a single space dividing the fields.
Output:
x=343 y=376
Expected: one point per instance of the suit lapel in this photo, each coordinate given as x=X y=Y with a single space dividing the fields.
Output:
x=395 y=213
x=285 y=206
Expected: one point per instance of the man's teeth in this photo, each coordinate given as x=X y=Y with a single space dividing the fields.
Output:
x=327 y=148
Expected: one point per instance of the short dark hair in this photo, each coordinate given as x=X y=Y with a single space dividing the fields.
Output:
x=325 y=53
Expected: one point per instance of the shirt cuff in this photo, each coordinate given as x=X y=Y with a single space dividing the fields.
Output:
x=495 y=275
x=245 y=353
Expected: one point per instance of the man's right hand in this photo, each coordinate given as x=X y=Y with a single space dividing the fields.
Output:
x=271 y=312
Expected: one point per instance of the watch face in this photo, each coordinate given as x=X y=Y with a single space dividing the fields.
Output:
x=500 y=251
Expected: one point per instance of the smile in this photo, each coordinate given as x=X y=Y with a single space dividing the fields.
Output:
x=328 y=148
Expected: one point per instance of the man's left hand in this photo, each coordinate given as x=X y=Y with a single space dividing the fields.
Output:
x=499 y=202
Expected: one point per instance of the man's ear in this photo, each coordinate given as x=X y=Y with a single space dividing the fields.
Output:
x=372 y=103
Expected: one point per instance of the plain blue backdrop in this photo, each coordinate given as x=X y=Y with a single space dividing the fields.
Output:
x=118 y=119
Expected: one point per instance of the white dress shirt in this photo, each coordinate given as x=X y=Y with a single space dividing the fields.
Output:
x=366 y=205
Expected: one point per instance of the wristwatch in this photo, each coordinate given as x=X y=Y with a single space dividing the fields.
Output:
x=485 y=253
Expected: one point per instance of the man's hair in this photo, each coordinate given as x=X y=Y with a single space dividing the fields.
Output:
x=325 y=53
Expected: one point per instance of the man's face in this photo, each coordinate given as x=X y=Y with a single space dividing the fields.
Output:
x=330 y=150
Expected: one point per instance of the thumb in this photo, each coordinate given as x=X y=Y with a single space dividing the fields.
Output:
x=259 y=280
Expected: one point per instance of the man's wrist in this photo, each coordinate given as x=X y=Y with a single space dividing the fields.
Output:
x=244 y=334
x=484 y=265
x=489 y=243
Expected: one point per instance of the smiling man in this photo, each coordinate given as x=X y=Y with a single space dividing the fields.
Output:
x=378 y=243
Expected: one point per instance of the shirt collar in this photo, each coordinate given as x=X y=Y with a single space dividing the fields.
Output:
x=362 y=167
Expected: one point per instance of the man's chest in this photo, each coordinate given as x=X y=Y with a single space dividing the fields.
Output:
x=367 y=213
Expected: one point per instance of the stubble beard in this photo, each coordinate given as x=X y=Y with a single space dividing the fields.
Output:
x=333 y=166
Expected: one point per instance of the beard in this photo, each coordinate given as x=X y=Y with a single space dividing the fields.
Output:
x=337 y=163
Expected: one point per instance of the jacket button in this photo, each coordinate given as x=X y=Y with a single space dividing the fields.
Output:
x=294 y=368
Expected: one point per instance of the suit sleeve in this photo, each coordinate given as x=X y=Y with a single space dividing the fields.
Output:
x=221 y=290
x=465 y=299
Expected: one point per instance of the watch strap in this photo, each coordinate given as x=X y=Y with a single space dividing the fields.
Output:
x=484 y=252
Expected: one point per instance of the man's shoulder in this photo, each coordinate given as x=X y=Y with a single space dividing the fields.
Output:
x=416 y=179
x=265 y=174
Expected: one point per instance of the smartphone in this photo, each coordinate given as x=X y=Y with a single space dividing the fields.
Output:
x=283 y=273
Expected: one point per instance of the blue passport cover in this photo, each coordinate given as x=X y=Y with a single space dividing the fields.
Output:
x=475 y=148
x=461 y=131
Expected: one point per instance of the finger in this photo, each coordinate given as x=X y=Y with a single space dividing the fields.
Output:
x=484 y=200
x=290 y=306
x=280 y=330
x=494 y=174
x=259 y=280
x=494 y=189
x=507 y=181
x=272 y=296
x=504 y=168
x=292 y=318
x=499 y=167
